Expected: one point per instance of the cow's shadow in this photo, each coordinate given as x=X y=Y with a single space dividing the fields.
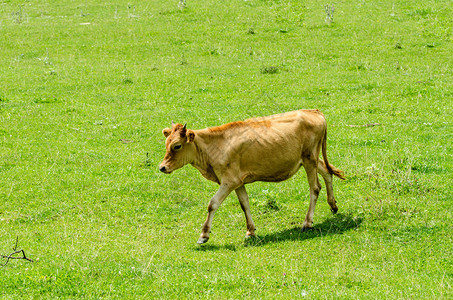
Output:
x=337 y=224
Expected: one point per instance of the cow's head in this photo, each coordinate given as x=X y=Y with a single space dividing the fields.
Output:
x=179 y=147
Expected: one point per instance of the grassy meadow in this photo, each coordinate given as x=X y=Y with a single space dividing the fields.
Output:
x=87 y=87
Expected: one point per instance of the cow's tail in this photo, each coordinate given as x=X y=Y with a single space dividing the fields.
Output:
x=332 y=170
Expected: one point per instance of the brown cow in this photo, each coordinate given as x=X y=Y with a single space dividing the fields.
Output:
x=263 y=149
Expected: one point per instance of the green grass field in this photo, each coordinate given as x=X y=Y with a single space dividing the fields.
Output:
x=87 y=87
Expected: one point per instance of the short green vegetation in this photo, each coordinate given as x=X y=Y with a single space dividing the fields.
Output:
x=87 y=86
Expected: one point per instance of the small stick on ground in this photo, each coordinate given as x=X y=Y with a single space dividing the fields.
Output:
x=11 y=256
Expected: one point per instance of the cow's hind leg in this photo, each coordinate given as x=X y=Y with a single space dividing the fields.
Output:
x=310 y=165
x=244 y=200
x=214 y=204
x=322 y=169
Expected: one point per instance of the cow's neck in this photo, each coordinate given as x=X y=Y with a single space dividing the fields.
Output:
x=202 y=159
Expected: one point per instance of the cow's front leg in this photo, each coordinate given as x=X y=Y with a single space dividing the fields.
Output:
x=244 y=200
x=214 y=204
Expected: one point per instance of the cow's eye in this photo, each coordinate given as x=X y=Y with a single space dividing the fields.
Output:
x=177 y=147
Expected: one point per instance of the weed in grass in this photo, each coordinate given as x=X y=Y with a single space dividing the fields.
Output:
x=329 y=9
x=182 y=4
x=46 y=100
x=82 y=14
x=126 y=78
x=147 y=163
x=270 y=70
x=19 y=16
x=183 y=60
x=131 y=11
x=269 y=202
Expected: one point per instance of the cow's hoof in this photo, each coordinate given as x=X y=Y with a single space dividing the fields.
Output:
x=334 y=210
x=202 y=240
x=250 y=236
x=305 y=229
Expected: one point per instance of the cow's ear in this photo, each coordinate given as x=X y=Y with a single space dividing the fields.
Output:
x=190 y=136
x=166 y=132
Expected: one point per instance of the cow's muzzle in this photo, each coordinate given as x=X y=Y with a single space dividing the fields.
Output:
x=164 y=169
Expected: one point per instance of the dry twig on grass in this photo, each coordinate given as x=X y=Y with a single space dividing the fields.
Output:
x=11 y=256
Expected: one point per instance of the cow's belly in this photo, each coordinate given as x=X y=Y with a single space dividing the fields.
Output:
x=271 y=172
x=276 y=158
